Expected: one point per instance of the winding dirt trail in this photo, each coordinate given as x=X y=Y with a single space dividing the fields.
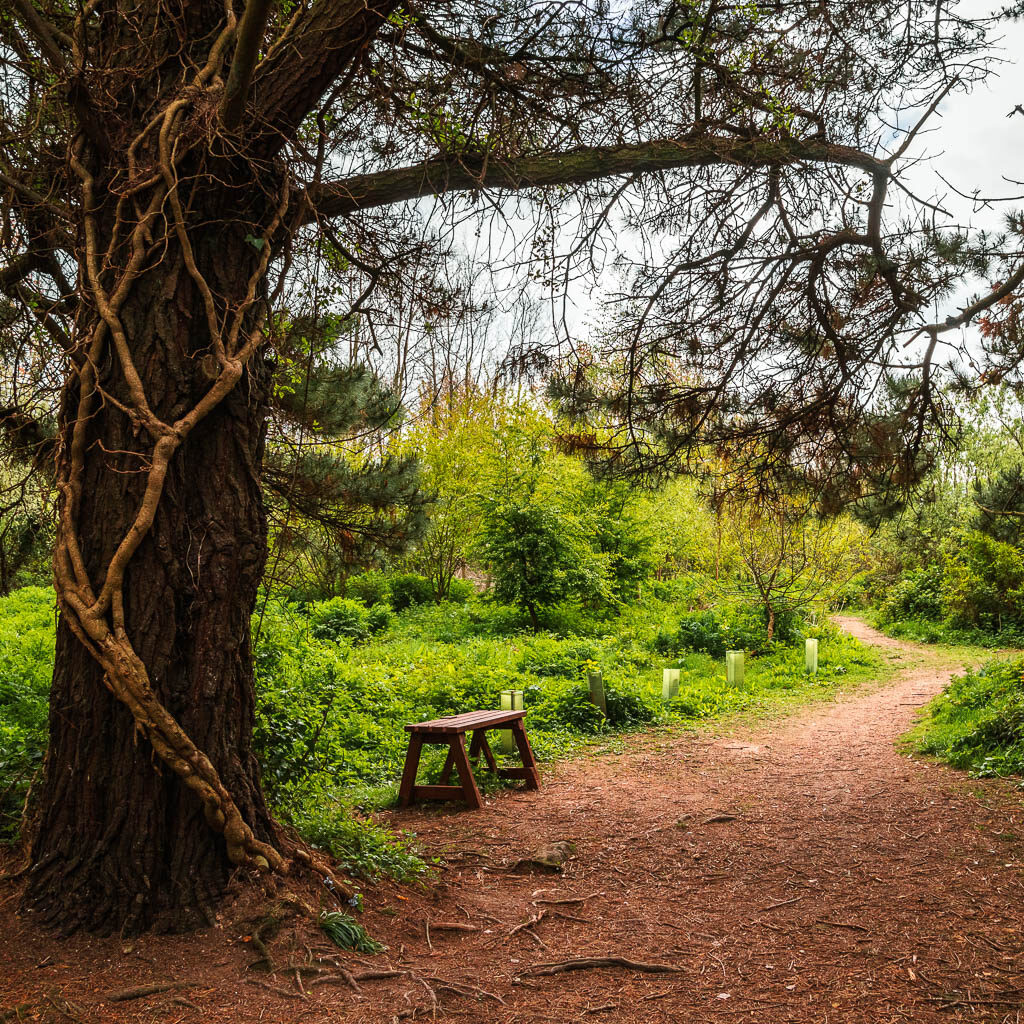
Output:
x=852 y=883
x=796 y=871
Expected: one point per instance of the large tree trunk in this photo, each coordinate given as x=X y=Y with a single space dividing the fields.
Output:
x=120 y=842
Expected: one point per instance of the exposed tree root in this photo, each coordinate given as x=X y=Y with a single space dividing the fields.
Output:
x=139 y=991
x=589 y=962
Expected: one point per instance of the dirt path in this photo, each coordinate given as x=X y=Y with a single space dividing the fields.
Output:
x=799 y=871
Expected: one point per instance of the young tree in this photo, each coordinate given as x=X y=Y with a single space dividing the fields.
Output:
x=164 y=165
x=447 y=437
x=792 y=557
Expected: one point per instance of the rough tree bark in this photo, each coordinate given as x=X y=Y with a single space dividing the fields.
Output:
x=121 y=841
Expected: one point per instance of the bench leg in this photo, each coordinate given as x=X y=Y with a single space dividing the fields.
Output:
x=469 y=790
x=446 y=771
x=412 y=764
x=530 y=773
x=480 y=745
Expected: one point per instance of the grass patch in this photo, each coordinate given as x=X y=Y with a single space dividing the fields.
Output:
x=347 y=933
x=332 y=703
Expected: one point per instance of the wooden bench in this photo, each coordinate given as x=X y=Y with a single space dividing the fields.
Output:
x=452 y=730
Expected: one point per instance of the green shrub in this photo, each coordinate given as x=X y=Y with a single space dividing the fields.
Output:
x=378 y=618
x=549 y=656
x=916 y=595
x=26 y=669
x=409 y=589
x=361 y=847
x=370 y=587
x=710 y=632
x=983 y=583
x=628 y=707
x=340 y=618
x=460 y=591
x=570 y=709
x=977 y=723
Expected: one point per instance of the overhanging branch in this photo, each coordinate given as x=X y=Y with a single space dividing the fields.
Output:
x=573 y=167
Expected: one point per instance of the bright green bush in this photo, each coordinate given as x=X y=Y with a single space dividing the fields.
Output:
x=977 y=724
x=983 y=583
x=370 y=587
x=408 y=589
x=378 y=618
x=340 y=618
x=916 y=595
x=26 y=668
x=735 y=627
x=460 y=591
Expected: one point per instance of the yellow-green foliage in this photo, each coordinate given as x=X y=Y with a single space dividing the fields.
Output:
x=26 y=667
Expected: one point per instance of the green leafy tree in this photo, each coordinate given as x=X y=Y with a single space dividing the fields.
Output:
x=999 y=505
x=534 y=536
x=537 y=555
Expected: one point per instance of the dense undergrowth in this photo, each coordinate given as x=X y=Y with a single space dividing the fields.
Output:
x=977 y=723
x=960 y=601
x=337 y=681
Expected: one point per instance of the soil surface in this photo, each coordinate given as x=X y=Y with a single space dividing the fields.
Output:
x=801 y=870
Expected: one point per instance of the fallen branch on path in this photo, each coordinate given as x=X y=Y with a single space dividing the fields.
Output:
x=529 y=922
x=462 y=988
x=587 y=962
x=781 y=903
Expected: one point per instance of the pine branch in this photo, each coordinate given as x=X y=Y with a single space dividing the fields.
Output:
x=574 y=167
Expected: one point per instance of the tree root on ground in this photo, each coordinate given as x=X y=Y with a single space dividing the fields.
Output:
x=587 y=962
x=140 y=991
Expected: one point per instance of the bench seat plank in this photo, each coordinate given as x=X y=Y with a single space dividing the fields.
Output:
x=467 y=722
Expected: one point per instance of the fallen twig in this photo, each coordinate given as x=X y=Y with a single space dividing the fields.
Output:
x=352 y=980
x=567 y=900
x=657 y=995
x=781 y=903
x=462 y=988
x=529 y=922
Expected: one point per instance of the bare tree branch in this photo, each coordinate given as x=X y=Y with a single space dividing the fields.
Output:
x=437 y=177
